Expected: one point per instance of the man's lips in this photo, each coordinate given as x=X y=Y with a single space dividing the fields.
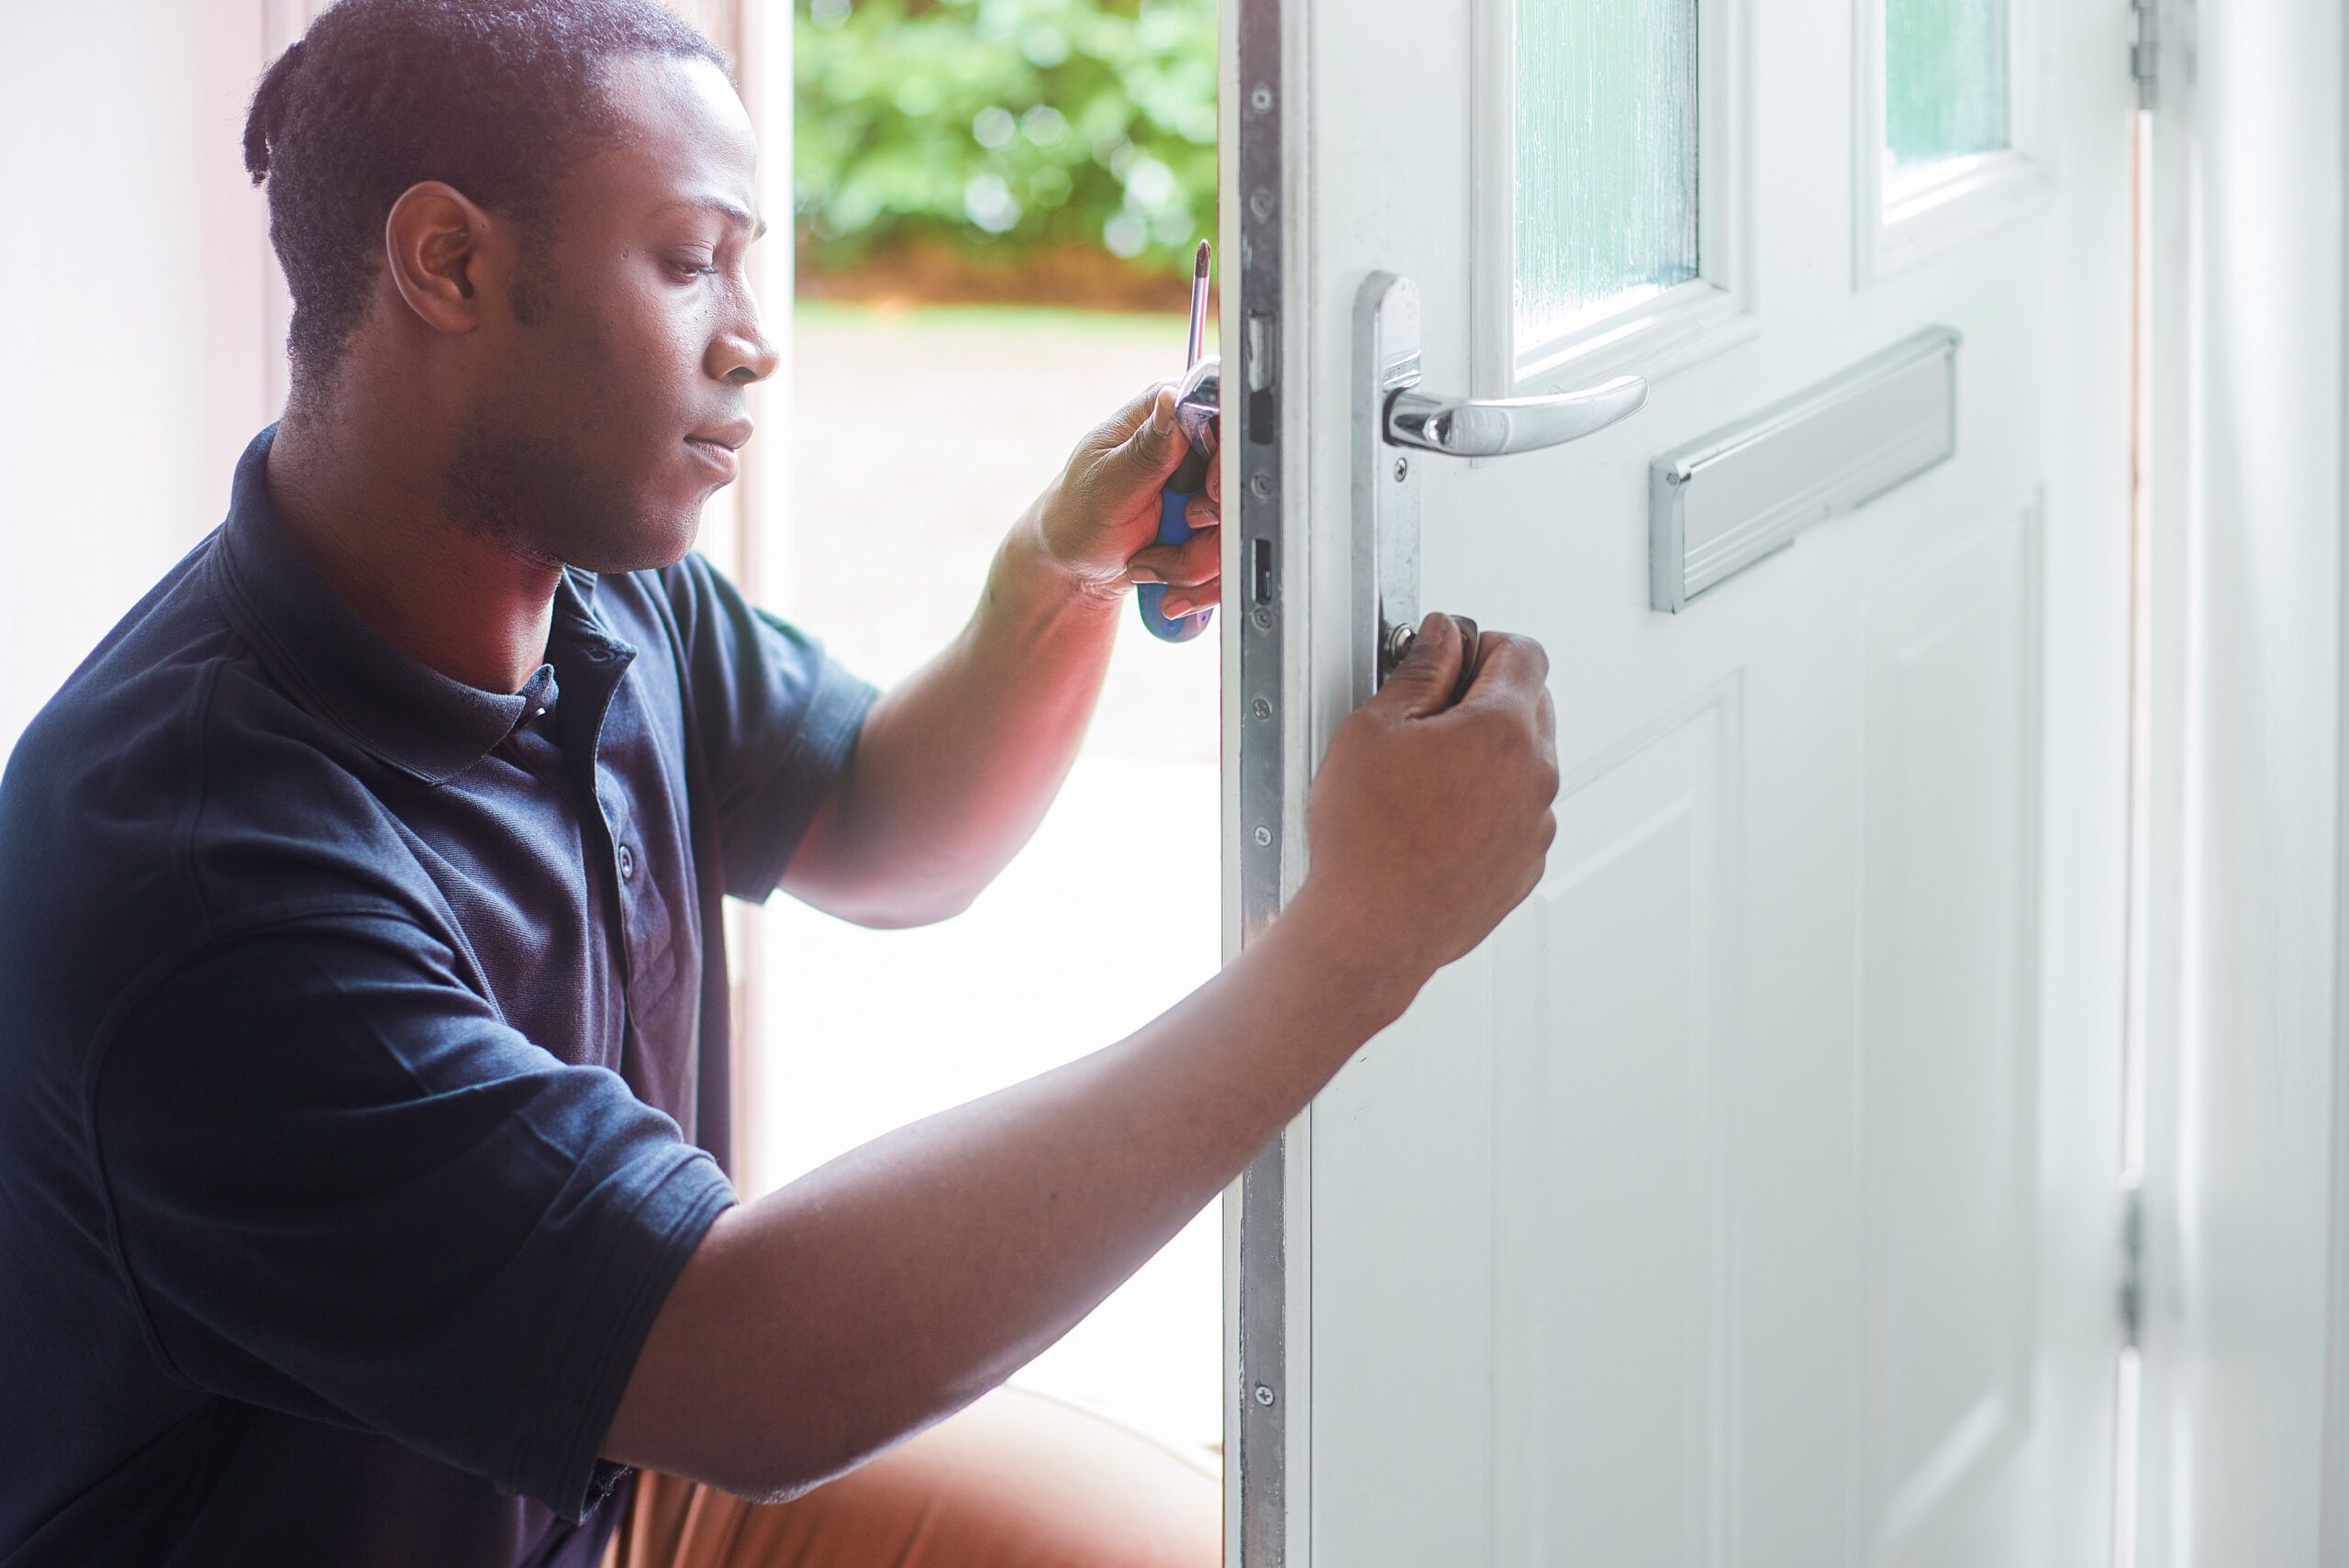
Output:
x=730 y=436
x=716 y=447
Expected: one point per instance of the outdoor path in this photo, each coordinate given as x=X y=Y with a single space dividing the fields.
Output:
x=916 y=442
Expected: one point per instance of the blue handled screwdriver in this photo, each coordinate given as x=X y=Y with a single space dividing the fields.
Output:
x=1195 y=411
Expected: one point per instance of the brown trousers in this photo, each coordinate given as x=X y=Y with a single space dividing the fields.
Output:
x=1019 y=1479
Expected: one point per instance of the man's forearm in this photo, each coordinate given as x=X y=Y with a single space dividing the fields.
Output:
x=886 y=1289
x=957 y=763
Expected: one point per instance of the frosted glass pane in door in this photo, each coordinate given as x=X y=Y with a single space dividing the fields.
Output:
x=1944 y=79
x=1606 y=143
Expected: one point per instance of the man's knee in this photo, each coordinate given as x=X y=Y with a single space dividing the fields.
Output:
x=1023 y=1481
x=1019 y=1479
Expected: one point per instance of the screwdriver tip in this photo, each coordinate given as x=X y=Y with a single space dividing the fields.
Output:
x=1199 y=262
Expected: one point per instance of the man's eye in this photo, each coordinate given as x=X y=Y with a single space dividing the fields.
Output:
x=695 y=267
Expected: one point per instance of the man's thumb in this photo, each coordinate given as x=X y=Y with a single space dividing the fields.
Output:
x=1423 y=683
x=1155 y=450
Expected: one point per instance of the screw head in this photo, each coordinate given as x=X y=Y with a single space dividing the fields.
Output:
x=1261 y=99
x=1263 y=1394
x=1260 y=204
x=1263 y=619
x=1262 y=484
x=1261 y=708
x=1264 y=835
x=1402 y=467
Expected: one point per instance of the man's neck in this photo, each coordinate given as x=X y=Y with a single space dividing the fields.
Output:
x=369 y=515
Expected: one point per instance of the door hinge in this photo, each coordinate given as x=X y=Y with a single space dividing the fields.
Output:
x=2130 y=1300
x=2146 y=51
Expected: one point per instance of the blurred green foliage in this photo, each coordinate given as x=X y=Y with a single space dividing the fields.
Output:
x=1002 y=125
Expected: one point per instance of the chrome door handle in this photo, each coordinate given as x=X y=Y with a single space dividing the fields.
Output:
x=1393 y=420
x=1468 y=427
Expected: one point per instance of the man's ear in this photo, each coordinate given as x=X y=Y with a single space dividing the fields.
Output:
x=442 y=251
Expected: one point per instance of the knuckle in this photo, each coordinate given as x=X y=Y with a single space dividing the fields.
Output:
x=1136 y=415
x=1523 y=654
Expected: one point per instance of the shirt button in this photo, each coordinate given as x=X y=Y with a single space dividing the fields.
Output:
x=628 y=863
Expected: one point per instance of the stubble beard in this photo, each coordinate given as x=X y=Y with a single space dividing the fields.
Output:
x=531 y=493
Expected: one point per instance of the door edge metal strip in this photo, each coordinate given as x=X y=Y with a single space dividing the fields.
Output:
x=1270 y=746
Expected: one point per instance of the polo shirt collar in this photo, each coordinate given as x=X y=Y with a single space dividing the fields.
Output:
x=339 y=667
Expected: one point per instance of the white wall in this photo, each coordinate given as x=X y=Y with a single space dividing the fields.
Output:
x=133 y=256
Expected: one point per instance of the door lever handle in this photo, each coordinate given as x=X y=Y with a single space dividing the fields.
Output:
x=1495 y=427
x=1392 y=419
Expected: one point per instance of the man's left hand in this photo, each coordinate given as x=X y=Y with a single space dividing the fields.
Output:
x=1099 y=522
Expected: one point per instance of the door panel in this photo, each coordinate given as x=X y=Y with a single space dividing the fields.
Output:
x=1948 y=1032
x=1748 y=1197
x=1614 y=1223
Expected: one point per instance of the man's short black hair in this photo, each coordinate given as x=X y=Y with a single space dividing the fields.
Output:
x=499 y=98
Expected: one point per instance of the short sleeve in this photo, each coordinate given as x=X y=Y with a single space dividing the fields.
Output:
x=340 y=1189
x=779 y=717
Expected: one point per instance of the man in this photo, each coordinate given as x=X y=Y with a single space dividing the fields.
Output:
x=361 y=1185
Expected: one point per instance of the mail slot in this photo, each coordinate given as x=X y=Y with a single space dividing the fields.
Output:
x=1718 y=505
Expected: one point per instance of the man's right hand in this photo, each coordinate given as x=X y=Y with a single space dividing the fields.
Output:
x=814 y=1327
x=1429 y=820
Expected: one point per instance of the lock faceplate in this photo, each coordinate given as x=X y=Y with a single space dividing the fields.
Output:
x=1387 y=479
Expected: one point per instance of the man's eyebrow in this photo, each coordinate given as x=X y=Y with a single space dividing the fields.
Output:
x=724 y=208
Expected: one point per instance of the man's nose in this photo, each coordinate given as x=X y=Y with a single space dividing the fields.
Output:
x=741 y=354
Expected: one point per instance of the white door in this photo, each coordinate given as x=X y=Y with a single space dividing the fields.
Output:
x=1750 y=1197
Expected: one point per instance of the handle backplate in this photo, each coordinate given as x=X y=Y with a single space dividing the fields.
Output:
x=1396 y=429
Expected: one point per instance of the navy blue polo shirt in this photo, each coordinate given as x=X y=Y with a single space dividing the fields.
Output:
x=364 y=1044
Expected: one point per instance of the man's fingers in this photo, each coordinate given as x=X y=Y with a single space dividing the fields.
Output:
x=1510 y=668
x=1421 y=686
x=1181 y=601
x=1199 y=558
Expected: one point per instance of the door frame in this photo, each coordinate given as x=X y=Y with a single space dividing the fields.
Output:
x=2249 y=605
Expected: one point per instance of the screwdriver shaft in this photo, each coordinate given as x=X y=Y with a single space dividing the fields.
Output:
x=1198 y=309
